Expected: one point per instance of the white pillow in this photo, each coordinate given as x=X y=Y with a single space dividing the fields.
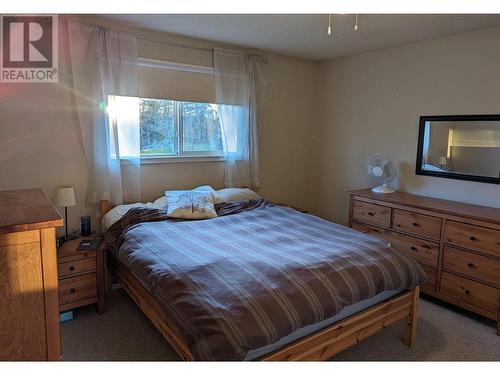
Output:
x=237 y=194
x=216 y=197
x=190 y=204
x=161 y=203
x=117 y=212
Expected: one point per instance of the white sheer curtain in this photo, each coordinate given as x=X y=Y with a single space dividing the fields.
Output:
x=104 y=63
x=239 y=86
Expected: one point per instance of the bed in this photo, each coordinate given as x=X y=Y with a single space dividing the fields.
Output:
x=261 y=281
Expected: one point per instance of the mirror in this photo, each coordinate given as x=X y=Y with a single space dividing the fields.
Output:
x=460 y=147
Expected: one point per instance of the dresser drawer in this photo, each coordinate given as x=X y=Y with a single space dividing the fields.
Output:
x=369 y=229
x=77 y=288
x=371 y=213
x=473 y=237
x=477 y=266
x=431 y=277
x=470 y=292
x=76 y=266
x=422 y=251
x=419 y=224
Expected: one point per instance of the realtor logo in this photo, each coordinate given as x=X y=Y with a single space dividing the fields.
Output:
x=29 y=50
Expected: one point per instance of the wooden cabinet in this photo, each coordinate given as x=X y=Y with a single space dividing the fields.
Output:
x=457 y=244
x=81 y=276
x=29 y=313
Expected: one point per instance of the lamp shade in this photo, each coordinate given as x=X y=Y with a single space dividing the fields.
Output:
x=65 y=197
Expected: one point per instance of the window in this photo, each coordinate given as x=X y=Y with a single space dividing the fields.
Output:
x=176 y=128
x=158 y=127
x=200 y=127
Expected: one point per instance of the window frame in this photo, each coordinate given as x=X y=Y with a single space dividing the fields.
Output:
x=190 y=156
x=181 y=155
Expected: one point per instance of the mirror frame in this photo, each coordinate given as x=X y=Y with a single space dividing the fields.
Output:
x=456 y=176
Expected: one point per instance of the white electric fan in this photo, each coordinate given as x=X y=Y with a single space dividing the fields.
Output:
x=382 y=169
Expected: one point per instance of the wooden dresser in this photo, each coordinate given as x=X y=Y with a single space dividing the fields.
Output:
x=457 y=244
x=29 y=308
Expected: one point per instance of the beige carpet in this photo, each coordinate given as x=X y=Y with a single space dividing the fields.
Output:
x=124 y=333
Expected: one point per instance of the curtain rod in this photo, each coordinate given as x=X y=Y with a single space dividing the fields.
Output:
x=179 y=45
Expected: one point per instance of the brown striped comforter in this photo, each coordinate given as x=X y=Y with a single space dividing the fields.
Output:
x=242 y=281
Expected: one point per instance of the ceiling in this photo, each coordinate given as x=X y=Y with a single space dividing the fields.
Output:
x=305 y=35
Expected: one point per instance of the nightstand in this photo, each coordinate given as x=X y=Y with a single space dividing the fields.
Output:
x=81 y=276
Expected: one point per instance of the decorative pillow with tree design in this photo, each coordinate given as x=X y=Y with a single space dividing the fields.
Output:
x=190 y=204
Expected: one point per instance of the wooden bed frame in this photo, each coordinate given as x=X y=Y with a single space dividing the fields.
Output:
x=319 y=345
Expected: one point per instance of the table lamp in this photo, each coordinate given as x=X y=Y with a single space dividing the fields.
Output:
x=65 y=197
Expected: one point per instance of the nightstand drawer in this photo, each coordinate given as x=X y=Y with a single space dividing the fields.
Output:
x=474 y=265
x=371 y=213
x=76 y=267
x=77 y=288
x=421 y=225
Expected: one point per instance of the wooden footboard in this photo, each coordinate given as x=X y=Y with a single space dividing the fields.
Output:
x=317 y=346
x=354 y=329
x=153 y=311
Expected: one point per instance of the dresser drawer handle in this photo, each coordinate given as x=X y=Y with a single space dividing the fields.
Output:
x=371 y=214
x=413 y=248
x=416 y=224
x=72 y=268
x=472 y=238
x=72 y=290
x=467 y=291
x=471 y=265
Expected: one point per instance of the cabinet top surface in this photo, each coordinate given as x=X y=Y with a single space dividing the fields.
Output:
x=69 y=248
x=434 y=204
x=26 y=209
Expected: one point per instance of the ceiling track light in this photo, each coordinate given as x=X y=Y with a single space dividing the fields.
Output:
x=356 y=23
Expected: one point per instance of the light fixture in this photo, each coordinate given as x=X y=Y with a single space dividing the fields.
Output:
x=65 y=197
x=330 y=23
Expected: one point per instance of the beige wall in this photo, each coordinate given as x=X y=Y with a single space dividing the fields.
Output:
x=40 y=146
x=39 y=138
x=371 y=103
x=319 y=122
